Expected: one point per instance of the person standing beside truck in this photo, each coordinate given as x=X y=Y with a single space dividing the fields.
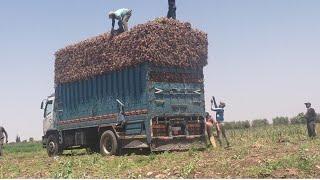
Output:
x=122 y=15
x=220 y=119
x=2 y=133
x=311 y=120
x=209 y=124
x=209 y=127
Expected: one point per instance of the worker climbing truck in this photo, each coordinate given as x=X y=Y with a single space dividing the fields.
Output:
x=129 y=91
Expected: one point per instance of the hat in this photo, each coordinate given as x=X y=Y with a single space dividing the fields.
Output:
x=223 y=104
x=111 y=13
x=307 y=103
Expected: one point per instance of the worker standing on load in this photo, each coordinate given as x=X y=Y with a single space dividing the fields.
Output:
x=122 y=15
x=311 y=120
x=2 y=133
x=220 y=119
x=172 y=9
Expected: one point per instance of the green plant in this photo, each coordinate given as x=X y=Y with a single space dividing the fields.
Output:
x=24 y=147
x=65 y=170
x=188 y=169
x=299 y=119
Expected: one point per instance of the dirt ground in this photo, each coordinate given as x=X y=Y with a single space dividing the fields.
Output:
x=255 y=153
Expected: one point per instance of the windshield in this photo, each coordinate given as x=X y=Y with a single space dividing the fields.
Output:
x=49 y=108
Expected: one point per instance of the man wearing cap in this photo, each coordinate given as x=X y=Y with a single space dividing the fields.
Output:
x=2 y=133
x=311 y=120
x=220 y=119
x=122 y=15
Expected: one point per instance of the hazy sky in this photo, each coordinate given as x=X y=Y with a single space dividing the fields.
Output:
x=264 y=55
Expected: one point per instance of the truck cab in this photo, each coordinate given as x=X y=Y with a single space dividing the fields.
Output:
x=47 y=105
x=48 y=113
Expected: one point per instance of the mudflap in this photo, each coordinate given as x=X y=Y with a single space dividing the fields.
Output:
x=178 y=143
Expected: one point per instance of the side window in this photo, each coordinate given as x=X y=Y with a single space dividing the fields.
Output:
x=49 y=108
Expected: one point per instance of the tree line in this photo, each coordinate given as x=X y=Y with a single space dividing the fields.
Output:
x=298 y=119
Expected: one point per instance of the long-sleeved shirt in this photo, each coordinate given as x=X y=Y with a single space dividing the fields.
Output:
x=311 y=115
x=120 y=13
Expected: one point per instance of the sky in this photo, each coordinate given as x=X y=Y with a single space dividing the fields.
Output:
x=264 y=55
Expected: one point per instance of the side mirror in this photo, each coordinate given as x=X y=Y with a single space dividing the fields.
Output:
x=121 y=117
x=41 y=107
x=121 y=106
x=43 y=103
x=120 y=103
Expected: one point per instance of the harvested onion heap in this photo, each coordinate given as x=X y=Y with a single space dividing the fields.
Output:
x=163 y=42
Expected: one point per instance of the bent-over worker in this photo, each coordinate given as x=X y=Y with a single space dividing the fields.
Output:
x=122 y=15
x=209 y=124
x=311 y=120
x=220 y=119
x=2 y=133
x=172 y=9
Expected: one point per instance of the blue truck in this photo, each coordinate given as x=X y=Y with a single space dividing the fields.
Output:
x=142 y=105
x=145 y=106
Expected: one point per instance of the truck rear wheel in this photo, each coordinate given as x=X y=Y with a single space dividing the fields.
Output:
x=108 y=143
x=53 y=146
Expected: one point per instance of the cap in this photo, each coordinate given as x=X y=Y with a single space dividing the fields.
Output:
x=111 y=13
x=222 y=104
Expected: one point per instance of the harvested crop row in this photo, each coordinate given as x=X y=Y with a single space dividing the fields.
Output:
x=164 y=42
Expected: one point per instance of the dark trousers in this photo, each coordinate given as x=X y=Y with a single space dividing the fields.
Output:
x=311 y=126
x=222 y=133
x=172 y=9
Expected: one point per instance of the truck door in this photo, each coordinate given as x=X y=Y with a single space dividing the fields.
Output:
x=48 y=116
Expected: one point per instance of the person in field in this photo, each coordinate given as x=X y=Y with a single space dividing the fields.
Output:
x=210 y=122
x=220 y=119
x=3 y=133
x=311 y=116
x=172 y=9
x=122 y=15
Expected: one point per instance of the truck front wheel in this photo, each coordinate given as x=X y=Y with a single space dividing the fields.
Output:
x=53 y=146
x=108 y=143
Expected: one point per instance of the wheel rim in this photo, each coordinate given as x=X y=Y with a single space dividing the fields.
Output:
x=107 y=145
x=51 y=146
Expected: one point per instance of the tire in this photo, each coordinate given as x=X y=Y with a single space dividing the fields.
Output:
x=52 y=146
x=108 y=144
